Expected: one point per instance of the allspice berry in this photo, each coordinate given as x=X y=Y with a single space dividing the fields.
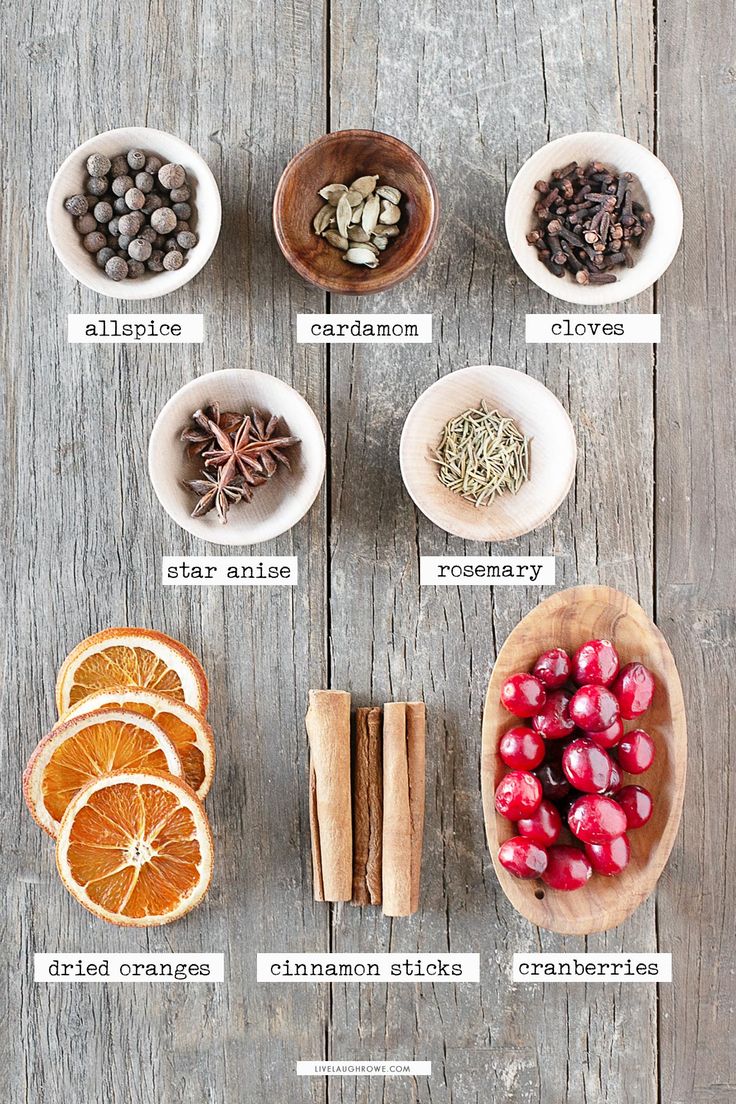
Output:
x=164 y=220
x=103 y=211
x=104 y=256
x=171 y=176
x=173 y=260
x=86 y=223
x=122 y=184
x=152 y=165
x=136 y=159
x=121 y=207
x=116 y=268
x=94 y=242
x=180 y=195
x=156 y=261
x=140 y=249
x=135 y=269
x=135 y=199
x=153 y=202
x=186 y=239
x=98 y=164
x=119 y=165
x=76 y=205
x=182 y=210
x=130 y=224
x=97 y=185
x=144 y=182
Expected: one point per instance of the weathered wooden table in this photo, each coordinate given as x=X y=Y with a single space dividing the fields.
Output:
x=475 y=87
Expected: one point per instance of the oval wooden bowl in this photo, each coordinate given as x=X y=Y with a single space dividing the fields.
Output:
x=539 y=415
x=340 y=158
x=567 y=620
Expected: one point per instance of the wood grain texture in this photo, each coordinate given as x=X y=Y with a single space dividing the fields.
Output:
x=474 y=88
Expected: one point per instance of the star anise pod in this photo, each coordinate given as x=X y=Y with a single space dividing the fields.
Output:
x=198 y=434
x=251 y=449
x=215 y=491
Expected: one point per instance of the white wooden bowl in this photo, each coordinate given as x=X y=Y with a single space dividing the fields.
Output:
x=278 y=504
x=69 y=181
x=655 y=187
x=538 y=414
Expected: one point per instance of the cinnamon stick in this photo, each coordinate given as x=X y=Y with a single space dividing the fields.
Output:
x=416 y=729
x=330 y=816
x=367 y=807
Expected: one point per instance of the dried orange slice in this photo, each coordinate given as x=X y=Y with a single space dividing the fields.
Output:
x=186 y=728
x=84 y=748
x=144 y=658
x=135 y=849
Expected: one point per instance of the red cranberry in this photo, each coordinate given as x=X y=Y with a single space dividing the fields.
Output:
x=554 y=783
x=518 y=795
x=609 y=737
x=554 y=720
x=523 y=857
x=634 y=689
x=616 y=779
x=567 y=868
x=521 y=748
x=609 y=858
x=637 y=805
x=596 y=819
x=594 y=708
x=636 y=751
x=543 y=826
x=587 y=767
x=523 y=695
x=596 y=663
x=553 y=668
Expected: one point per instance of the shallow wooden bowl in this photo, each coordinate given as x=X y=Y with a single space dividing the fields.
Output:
x=567 y=620
x=538 y=414
x=70 y=179
x=340 y=158
x=278 y=504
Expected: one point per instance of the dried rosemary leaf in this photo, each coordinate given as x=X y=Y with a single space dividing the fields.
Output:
x=482 y=454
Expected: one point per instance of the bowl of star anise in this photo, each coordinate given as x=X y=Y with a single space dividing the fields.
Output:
x=236 y=457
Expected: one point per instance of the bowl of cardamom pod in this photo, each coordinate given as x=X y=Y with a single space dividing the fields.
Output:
x=356 y=212
x=488 y=453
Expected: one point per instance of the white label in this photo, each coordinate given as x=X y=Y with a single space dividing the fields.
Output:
x=596 y=329
x=229 y=571
x=287 y=968
x=595 y=966
x=486 y=570
x=144 y=329
x=363 y=329
x=129 y=967
x=347 y=1068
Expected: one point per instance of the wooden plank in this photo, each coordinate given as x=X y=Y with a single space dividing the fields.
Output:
x=476 y=90
x=245 y=87
x=696 y=530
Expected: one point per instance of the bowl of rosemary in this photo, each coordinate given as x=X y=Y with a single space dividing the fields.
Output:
x=488 y=453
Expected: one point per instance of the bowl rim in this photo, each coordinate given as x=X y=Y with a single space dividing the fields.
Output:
x=303 y=504
x=499 y=371
x=391 y=278
x=565 y=290
x=135 y=290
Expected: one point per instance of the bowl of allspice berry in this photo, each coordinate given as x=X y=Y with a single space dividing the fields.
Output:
x=134 y=213
x=356 y=212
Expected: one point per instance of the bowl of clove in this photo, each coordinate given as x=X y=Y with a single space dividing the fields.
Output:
x=236 y=457
x=594 y=218
x=356 y=212
x=488 y=453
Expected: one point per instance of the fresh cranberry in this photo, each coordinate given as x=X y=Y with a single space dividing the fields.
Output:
x=596 y=819
x=523 y=857
x=518 y=794
x=609 y=858
x=594 y=708
x=554 y=782
x=553 y=668
x=595 y=663
x=616 y=779
x=567 y=868
x=523 y=695
x=637 y=805
x=543 y=826
x=636 y=751
x=521 y=748
x=587 y=767
x=634 y=689
x=554 y=720
x=609 y=737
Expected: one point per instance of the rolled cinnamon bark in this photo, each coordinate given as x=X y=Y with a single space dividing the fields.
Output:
x=403 y=805
x=416 y=738
x=330 y=814
x=367 y=807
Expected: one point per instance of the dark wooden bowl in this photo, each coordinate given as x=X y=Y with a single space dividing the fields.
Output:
x=340 y=158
